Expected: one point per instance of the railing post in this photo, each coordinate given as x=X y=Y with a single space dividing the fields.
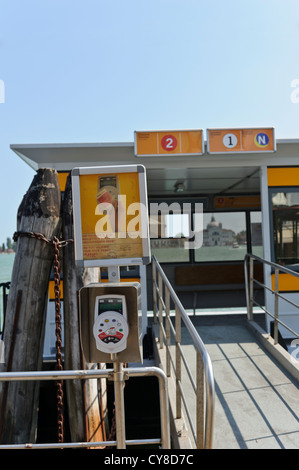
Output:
x=250 y=313
x=154 y=291
x=276 y=299
x=160 y=286
x=200 y=408
x=118 y=377
x=167 y=328
x=178 y=362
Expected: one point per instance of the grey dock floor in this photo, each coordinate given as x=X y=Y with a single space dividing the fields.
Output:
x=256 y=400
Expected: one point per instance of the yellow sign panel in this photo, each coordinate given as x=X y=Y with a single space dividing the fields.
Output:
x=51 y=290
x=283 y=176
x=62 y=177
x=287 y=282
x=233 y=202
x=155 y=143
x=110 y=214
x=241 y=140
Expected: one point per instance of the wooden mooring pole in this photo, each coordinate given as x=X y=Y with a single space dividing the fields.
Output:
x=23 y=335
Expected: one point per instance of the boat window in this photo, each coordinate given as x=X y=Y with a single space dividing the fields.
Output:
x=169 y=235
x=285 y=209
x=224 y=237
x=256 y=233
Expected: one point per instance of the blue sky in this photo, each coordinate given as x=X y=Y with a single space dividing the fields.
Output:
x=94 y=71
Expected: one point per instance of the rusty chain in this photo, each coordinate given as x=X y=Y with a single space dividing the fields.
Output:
x=59 y=366
x=56 y=266
x=59 y=362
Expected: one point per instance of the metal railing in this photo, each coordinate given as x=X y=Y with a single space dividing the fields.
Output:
x=112 y=374
x=250 y=282
x=203 y=385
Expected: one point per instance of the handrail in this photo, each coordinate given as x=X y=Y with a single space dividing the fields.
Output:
x=204 y=387
x=249 y=288
x=164 y=440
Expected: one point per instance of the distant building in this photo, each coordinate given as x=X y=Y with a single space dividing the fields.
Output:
x=215 y=235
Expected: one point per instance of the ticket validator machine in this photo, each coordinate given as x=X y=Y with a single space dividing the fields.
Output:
x=110 y=320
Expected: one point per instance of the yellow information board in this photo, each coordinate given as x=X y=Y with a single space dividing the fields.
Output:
x=181 y=142
x=110 y=216
x=237 y=202
x=283 y=176
x=251 y=140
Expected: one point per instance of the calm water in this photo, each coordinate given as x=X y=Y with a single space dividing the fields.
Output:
x=6 y=265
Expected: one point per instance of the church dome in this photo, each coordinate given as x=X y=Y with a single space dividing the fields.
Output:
x=213 y=223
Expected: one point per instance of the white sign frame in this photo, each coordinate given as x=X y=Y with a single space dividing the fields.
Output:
x=78 y=242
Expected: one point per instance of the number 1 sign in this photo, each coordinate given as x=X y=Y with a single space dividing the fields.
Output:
x=155 y=143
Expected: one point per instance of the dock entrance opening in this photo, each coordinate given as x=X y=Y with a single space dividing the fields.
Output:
x=212 y=275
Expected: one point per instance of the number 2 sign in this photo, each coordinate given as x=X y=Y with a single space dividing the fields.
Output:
x=169 y=143
x=155 y=143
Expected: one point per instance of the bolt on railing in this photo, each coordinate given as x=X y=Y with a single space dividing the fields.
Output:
x=203 y=385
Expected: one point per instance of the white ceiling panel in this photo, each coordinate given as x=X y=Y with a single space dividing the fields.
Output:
x=203 y=180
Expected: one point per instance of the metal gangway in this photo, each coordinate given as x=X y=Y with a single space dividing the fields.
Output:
x=246 y=385
x=226 y=381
